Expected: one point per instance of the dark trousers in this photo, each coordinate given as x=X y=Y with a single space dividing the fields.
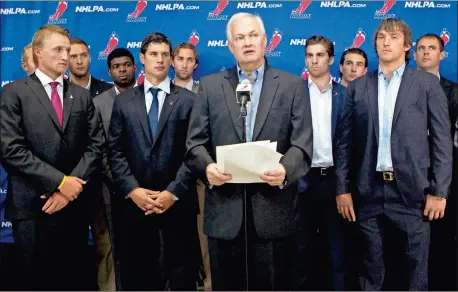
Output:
x=399 y=233
x=139 y=248
x=50 y=251
x=255 y=264
x=320 y=239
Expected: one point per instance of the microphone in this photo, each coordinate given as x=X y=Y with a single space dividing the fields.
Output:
x=243 y=93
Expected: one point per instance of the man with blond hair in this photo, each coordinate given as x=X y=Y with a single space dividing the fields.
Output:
x=51 y=146
x=249 y=226
x=27 y=60
x=394 y=159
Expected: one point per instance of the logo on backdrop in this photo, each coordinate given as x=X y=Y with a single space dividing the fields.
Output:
x=194 y=38
x=111 y=45
x=135 y=15
x=382 y=13
x=359 y=39
x=141 y=77
x=305 y=73
x=56 y=17
x=445 y=36
x=216 y=13
x=274 y=41
x=298 y=13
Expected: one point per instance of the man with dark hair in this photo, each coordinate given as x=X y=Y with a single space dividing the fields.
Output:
x=78 y=65
x=185 y=60
x=394 y=159
x=147 y=144
x=121 y=67
x=316 y=209
x=428 y=54
x=353 y=64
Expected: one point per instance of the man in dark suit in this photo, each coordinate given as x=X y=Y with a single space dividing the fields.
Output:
x=428 y=54
x=279 y=111
x=121 y=67
x=316 y=208
x=78 y=65
x=51 y=145
x=147 y=143
x=395 y=122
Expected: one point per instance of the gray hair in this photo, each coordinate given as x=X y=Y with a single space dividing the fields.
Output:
x=239 y=16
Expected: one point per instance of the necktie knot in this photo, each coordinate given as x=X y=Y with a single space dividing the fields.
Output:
x=154 y=91
x=54 y=84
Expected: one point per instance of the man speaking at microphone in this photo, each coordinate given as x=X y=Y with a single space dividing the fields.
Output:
x=250 y=251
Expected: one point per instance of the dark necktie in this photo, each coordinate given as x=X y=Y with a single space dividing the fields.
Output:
x=56 y=103
x=153 y=114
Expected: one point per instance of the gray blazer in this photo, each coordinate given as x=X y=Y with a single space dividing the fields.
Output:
x=104 y=104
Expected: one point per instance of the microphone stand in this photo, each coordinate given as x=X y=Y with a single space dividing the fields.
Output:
x=243 y=115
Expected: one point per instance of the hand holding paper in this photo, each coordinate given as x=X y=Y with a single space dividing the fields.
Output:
x=215 y=177
x=275 y=177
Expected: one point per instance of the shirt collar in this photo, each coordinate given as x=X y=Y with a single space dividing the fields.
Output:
x=117 y=90
x=88 y=86
x=439 y=76
x=188 y=86
x=311 y=82
x=164 y=85
x=258 y=74
x=398 y=72
x=45 y=79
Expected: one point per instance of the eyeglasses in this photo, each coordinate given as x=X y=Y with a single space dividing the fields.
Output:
x=242 y=38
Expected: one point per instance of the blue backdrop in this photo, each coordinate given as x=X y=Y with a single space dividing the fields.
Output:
x=106 y=25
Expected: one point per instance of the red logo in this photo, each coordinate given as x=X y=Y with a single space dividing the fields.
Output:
x=141 y=5
x=302 y=7
x=141 y=78
x=274 y=41
x=359 y=39
x=111 y=45
x=60 y=9
x=386 y=7
x=305 y=73
x=194 y=38
x=219 y=8
x=445 y=36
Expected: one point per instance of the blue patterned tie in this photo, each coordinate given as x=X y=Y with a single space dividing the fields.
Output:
x=153 y=114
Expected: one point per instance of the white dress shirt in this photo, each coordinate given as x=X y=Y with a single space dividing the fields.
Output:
x=117 y=90
x=321 y=103
x=164 y=87
x=45 y=80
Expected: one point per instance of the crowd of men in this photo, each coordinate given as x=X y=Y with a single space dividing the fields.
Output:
x=366 y=164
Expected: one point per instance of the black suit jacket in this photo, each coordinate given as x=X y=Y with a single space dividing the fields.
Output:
x=37 y=152
x=98 y=86
x=155 y=163
x=421 y=106
x=283 y=115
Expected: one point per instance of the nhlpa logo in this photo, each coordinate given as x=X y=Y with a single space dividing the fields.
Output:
x=216 y=14
x=60 y=9
x=194 y=38
x=445 y=36
x=111 y=45
x=298 y=13
x=141 y=77
x=305 y=73
x=382 y=13
x=135 y=15
x=359 y=39
x=274 y=41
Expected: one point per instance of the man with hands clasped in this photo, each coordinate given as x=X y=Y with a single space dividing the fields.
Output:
x=147 y=145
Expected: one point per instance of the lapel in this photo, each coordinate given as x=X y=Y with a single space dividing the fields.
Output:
x=40 y=92
x=140 y=105
x=195 y=88
x=94 y=89
x=68 y=102
x=372 y=96
x=336 y=106
x=169 y=103
x=403 y=95
x=229 y=88
x=268 y=91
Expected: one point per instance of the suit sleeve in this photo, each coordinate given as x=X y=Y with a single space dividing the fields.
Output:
x=441 y=144
x=120 y=169
x=298 y=159
x=198 y=142
x=92 y=157
x=344 y=142
x=16 y=155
